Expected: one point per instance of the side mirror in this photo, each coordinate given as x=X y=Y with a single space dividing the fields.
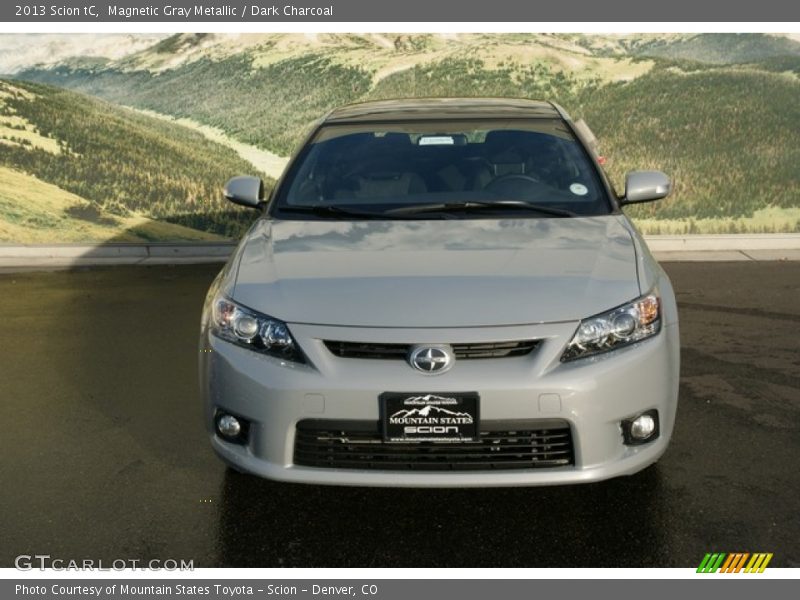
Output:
x=245 y=190
x=646 y=186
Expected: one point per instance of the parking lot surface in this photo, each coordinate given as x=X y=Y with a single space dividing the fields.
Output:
x=104 y=453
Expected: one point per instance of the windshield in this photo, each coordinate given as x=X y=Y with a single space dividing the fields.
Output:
x=441 y=169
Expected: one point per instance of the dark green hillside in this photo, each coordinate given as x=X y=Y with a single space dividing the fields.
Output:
x=721 y=48
x=267 y=107
x=121 y=161
x=729 y=137
x=470 y=77
x=781 y=64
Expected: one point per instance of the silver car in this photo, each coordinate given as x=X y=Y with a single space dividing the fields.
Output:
x=442 y=292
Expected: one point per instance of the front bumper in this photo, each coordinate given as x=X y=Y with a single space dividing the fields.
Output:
x=592 y=395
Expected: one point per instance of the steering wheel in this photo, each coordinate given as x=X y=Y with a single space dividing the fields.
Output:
x=517 y=185
x=514 y=183
x=512 y=177
x=374 y=168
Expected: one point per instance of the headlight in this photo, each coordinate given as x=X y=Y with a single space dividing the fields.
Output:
x=245 y=327
x=627 y=324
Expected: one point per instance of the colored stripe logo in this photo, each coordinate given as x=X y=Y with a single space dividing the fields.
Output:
x=736 y=562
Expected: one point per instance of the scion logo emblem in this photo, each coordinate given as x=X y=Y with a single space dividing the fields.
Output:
x=431 y=359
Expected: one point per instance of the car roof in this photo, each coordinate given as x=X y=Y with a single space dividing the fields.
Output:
x=413 y=109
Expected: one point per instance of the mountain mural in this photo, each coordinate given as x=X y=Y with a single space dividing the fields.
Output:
x=718 y=112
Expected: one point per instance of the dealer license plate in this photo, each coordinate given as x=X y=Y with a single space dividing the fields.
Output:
x=429 y=417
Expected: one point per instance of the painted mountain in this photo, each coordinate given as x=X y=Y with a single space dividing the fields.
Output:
x=718 y=112
x=428 y=411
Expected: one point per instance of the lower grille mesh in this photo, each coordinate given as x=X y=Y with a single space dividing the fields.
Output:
x=359 y=445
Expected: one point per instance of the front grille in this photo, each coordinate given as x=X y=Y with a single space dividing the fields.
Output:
x=461 y=351
x=504 y=445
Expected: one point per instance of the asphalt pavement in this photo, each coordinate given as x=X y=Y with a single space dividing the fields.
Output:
x=104 y=454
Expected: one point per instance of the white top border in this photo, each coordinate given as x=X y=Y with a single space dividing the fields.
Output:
x=404 y=27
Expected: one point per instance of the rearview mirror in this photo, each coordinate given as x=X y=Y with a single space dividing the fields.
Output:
x=245 y=190
x=646 y=186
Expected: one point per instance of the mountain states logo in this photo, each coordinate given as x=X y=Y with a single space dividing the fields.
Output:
x=428 y=416
x=431 y=412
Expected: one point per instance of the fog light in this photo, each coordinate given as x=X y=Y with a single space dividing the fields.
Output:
x=230 y=428
x=643 y=427
x=228 y=425
x=640 y=429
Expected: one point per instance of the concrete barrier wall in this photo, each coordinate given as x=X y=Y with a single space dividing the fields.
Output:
x=665 y=248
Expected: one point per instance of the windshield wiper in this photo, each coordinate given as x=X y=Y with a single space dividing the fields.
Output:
x=331 y=211
x=472 y=205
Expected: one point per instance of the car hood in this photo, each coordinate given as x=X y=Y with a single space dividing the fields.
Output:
x=436 y=273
